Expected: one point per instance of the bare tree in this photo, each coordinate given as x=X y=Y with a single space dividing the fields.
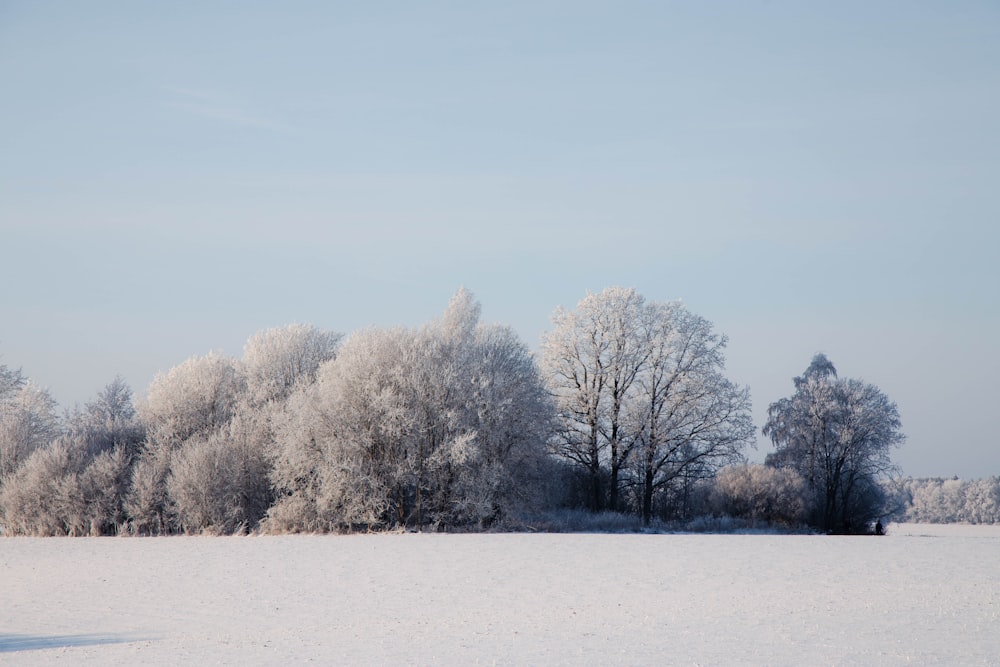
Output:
x=838 y=434
x=109 y=421
x=11 y=381
x=693 y=420
x=640 y=394
x=591 y=358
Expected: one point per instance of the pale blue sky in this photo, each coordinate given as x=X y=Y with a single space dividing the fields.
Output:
x=809 y=176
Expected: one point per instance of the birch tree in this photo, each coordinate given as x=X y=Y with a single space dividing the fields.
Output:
x=838 y=434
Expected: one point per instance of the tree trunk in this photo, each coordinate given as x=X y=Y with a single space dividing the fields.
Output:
x=595 y=488
x=613 y=490
x=647 y=495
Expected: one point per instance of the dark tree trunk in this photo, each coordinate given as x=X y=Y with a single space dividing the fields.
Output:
x=647 y=495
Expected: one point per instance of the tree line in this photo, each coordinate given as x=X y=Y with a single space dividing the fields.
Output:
x=452 y=425
x=954 y=500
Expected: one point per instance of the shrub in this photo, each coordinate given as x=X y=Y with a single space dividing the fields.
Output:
x=760 y=493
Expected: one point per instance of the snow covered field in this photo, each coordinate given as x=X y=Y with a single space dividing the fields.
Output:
x=922 y=595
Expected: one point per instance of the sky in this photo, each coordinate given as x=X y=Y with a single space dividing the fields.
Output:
x=810 y=177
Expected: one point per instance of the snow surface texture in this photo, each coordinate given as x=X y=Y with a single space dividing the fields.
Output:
x=922 y=595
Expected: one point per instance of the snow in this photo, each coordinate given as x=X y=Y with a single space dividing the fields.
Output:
x=921 y=595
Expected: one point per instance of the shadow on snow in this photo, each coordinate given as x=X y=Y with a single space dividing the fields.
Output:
x=12 y=643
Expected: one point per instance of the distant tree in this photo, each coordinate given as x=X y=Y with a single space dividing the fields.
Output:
x=939 y=500
x=109 y=436
x=34 y=500
x=512 y=418
x=341 y=459
x=485 y=417
x=147 y=503
x=982 y=500
x=11 y=381
x=109 y=421
x=591 y=359
x=838 y=434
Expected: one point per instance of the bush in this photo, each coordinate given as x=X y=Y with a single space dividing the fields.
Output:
x=38 y=498
x=760 y=493
x=220 y=484
x=147 y=502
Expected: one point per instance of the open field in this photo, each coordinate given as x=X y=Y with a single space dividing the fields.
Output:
x=922 y=595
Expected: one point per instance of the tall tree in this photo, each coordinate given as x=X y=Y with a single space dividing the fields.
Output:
x=574 y=359
x=838 y=434
x=641 y=396
x=693 y=420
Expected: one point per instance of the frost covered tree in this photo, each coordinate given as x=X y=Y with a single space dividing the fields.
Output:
x=441 y=426
x=10 y=381
x=28 y=420
x=641 y=397
x=35 y=499
x=982 y=500
x=206 y=463
x=591 y=358
x=276 y=361
x=838 y=434
x=938 y=500
x=109 y=421
x=340 y=459
x=77 y=483
x=757 y=492
x=692 y=419
x=192 y=400
x=220 y=483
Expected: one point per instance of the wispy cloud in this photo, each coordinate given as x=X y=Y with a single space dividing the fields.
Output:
x=221 y=108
